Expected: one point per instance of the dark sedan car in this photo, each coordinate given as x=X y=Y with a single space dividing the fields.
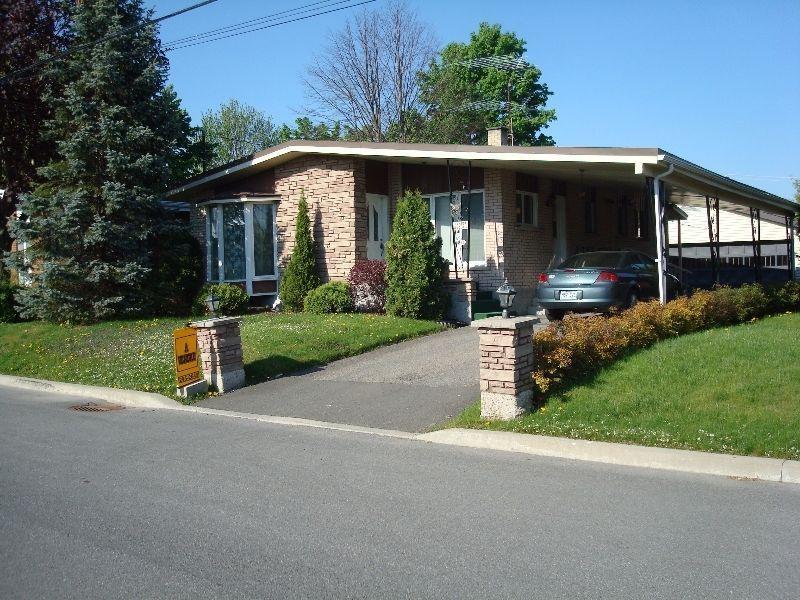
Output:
x=598 y=282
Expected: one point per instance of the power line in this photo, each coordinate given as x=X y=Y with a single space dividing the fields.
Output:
x=251 y=22
x=318 y=13
x=126 y=30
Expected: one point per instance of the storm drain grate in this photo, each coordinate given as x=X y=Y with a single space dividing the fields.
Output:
x=95 y=407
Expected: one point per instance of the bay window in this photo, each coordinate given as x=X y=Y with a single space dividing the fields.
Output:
x=240 y=244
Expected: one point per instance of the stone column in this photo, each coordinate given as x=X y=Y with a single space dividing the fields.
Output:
x=506 y=366
x=220 y=344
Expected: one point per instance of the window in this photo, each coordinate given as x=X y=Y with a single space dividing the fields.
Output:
x=241 y=243
x=622 y=216
x=590 y=211
x=528 y=208
x=472 y=210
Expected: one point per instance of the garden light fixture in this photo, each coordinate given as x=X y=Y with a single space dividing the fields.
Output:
x=212 y=303
x=505 y=294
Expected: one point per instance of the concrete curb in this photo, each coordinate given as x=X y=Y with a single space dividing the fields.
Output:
x=687 y=461
x=131 y=398
x=298 y=422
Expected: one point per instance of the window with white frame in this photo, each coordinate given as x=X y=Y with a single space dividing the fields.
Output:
x=527 y=208
x=472 y=210
x=241 y=243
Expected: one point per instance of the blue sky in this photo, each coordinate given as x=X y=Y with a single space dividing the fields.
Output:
x=716 y=82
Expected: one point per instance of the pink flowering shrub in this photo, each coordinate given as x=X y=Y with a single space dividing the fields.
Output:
x=367 y=281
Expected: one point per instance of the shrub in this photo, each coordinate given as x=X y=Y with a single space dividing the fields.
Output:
x=233 y=300
x=300 y=276
x=577 y=346
x=414 y=265
x=367 y=281
x=333 y=297
x=8 y=313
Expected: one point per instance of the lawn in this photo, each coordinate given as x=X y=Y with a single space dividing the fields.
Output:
x=138 y=354
x=734 y=390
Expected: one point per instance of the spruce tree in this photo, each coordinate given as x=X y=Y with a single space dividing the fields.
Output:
x=91 y=219
x=300 y=276
x=414 y=264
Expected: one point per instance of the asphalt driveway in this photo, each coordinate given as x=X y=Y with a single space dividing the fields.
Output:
x=409 y=386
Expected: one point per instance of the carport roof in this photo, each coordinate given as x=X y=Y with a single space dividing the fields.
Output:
x=571 y=163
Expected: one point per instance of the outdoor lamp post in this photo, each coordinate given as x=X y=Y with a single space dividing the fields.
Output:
x=506 y=295
x=212 y=303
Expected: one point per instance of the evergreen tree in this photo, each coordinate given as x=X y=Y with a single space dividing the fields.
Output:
x=91 y=220
x=414 y=264
x=300 y=276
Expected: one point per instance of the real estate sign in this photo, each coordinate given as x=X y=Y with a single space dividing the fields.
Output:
x=187 y=358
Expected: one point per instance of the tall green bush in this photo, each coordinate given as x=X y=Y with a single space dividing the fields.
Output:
x=300 y=276
x=414 y=265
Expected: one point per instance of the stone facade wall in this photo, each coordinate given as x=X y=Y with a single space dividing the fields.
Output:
x=334 y=189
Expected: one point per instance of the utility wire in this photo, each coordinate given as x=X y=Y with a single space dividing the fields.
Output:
x=14 y=74
x=318 y=13
x=252 y=22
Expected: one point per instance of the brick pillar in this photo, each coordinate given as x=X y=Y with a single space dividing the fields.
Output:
x=220 y=345
x=506 y=366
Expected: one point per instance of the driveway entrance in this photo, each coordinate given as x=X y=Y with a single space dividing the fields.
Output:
x=409 y=386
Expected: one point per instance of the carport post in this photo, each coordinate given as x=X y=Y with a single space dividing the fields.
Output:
x=659 y=216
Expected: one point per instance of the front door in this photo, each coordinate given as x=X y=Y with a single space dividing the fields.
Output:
x=378 y=226
x=559 y=231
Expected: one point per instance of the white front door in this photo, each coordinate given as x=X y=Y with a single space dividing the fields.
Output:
x=378 y=226
x=560 y=231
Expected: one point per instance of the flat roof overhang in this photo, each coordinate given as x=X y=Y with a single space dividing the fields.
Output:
x=690 y=183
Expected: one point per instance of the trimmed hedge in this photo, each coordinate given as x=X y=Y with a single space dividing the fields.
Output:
x=579 y=346
x=367 y=281
x=233 y=300
x=333 y=297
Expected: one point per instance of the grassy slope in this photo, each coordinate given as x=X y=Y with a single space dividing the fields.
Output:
x=137 y=354
x=733 y=390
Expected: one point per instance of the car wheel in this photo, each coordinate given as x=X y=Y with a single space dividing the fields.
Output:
x=633 y=299
x=554 y=315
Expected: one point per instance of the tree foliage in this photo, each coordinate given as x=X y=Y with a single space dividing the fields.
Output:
x=366 y=77
x=91 y=220
x=32 y=30
x=463 y=98
x=414 y=265
x=236 y=130
x=300 y=276
x=305 y=129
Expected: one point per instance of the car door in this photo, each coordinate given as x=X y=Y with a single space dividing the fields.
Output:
x=647 y=275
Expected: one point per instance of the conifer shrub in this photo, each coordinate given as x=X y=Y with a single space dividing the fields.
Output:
x=300 y=275
x=333 y=297
x=414 y=265
x=367 y=281
x=8 y=312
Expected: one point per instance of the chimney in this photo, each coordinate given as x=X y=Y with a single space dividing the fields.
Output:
x=498 y=136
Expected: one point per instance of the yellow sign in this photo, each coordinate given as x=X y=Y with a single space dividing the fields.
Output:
x=187 y=358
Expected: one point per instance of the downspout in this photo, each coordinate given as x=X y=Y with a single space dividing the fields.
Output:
x=659 y=214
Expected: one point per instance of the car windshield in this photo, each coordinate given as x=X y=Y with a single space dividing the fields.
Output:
x=592 y=260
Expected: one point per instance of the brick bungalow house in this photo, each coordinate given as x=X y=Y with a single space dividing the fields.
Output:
x=522 y=208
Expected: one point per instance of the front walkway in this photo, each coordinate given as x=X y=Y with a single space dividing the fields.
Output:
x=409 y=386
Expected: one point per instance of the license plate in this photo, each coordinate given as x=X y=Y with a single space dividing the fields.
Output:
x=568 y=295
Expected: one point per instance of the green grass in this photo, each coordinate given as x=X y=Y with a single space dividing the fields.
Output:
x=138 y=354
x=734 y=390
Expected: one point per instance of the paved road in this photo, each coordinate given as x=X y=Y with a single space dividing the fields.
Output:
x=160 y=504
x=409 y=386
